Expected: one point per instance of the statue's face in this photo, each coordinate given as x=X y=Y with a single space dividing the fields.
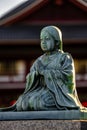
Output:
x=47 y=41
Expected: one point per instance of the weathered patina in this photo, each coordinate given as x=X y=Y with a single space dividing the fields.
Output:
x=50 y=84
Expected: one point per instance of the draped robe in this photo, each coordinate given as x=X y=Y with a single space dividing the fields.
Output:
x=50 y=84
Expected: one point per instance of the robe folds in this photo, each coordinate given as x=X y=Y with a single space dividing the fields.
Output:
x=50 y=84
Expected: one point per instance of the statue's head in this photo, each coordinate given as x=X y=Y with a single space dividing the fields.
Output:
x=52 y=36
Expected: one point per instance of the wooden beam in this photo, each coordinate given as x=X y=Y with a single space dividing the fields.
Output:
x=80 y=3
x=24 y=12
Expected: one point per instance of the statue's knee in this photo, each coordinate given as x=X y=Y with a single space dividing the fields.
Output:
x=19 y=104
x=24 y=105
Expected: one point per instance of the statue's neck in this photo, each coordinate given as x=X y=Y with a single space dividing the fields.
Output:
x=51 y=52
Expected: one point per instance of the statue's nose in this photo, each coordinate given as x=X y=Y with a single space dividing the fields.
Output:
x=43 y=42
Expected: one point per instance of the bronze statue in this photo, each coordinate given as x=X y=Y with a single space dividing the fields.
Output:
x=50 y=84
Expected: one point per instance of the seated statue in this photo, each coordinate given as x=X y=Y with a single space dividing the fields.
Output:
x=50 y=84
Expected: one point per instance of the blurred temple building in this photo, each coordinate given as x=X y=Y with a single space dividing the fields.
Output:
x=20 y=43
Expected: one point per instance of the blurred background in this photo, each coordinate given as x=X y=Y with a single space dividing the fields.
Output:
x=20 y=25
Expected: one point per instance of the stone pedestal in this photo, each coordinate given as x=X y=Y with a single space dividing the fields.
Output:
x=43 y=125
x=31 y=115
x=44 y=120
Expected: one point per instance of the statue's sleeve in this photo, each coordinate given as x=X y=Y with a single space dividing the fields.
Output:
x=66 y=71
x=60 y=82
x=66 y=67
x=63 y=73
x=31 y=78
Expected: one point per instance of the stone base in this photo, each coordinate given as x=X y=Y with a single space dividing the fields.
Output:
x=33 y=115
x=44 y=120
x=43 y=125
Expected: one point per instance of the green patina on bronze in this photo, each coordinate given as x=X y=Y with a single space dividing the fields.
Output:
x=50 y=84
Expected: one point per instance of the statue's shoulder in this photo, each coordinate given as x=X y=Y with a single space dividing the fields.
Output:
x=65 y=56
x=36 y=63
x=62 y=54
x=68 y=55
x=38 y=59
